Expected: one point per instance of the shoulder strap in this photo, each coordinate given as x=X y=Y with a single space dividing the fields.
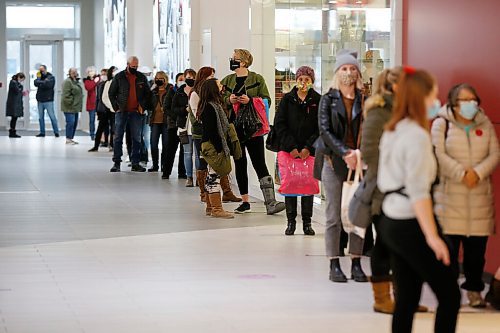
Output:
x=398 y=191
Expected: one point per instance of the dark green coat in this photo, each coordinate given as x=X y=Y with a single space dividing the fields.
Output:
x=72 y=96
x=254 y=83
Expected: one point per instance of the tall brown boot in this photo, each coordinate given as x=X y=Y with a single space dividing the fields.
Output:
x=217 y=210
x=382 y=296
x=208 y=207
x=228 y=195
x=201 y=177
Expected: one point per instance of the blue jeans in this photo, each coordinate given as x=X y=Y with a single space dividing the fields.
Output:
x=156 y=131
x=134 y=120
x=49 y=106
x=92 y=123
x=188 y=157
x=71 y=124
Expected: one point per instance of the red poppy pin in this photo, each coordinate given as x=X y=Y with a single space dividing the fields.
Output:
x=479 y=132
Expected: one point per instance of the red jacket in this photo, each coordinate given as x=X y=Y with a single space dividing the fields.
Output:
x=90 y=86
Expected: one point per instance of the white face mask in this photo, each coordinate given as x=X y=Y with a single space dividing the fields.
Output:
x=180 y=83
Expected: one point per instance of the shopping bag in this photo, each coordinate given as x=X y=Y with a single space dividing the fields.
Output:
x=296 y=175
x=260 y=108
x=247 y=121
x=349 y=187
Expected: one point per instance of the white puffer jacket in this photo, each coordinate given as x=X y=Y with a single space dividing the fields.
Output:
x=460 y=210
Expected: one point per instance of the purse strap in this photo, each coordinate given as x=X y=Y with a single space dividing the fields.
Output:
x=358 y=173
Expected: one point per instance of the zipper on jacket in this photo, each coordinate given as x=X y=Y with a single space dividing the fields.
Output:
x=468 y=189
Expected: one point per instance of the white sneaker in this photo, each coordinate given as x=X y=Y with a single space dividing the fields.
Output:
x=69 y=141
x=74 y=142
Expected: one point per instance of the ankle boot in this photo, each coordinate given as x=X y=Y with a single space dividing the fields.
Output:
x=290 y=228
x=493 y=295
x=336 y=274
x=357 y=272
x=267 y=187
x=306 y=204
x=291 y=215
x=216 y=204
x=228 y=195
x=155 y=156
x=382 y=297
x=201 y=176
x=13 y=134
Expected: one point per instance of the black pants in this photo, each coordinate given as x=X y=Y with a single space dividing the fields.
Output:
x=172 y=145
x=255 y=148
x=13 y=122
x=203 y=164
x=106 y=120
x=306 y=205
x=381 y=258
x=473 y=260
x=413 y=263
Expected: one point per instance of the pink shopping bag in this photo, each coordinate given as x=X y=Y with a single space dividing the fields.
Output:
x=296 y=175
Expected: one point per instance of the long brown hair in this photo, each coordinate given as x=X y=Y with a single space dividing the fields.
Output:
x=201 y=76
x=209 y=92
x=413 y=87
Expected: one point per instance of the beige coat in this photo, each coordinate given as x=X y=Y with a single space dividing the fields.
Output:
x=460 y=210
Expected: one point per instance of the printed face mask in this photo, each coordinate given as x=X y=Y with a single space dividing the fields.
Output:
x=304 y=87
x=348 y=78
x=469 y=109
x=234 y=64
x=433 y=110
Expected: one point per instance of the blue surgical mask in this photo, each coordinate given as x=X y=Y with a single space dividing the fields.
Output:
x=433 y=110
x=469 y=109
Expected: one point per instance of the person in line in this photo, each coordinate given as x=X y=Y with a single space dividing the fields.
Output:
x=180 y=103
x=493 y=294
x=146 y=119
x=241 y=87
x=90 y=83
x=129 y=95
x=340 y=114
x=112 y=71
x=215 y=122
x=407 y=170
x=173 y=139
x=158 y=120
x=14 y=108
x=101 y=110
x=71 y=103
x=466 y=147
x=296 y=126
x=45 y=83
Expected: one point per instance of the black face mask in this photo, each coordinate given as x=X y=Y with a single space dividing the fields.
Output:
x=132 y=70
x=190 y=82
x=159 y=82
x=234 y=64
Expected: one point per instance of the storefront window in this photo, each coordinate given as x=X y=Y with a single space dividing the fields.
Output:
x=311 y=32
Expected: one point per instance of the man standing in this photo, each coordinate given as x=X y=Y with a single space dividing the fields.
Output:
x=129 y=95
x=45 y=82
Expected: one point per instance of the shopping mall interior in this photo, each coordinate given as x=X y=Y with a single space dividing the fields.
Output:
x=86 y=250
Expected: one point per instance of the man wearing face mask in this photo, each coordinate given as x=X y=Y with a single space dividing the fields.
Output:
x=45 y=83
x=129 y=94
x=71 y=103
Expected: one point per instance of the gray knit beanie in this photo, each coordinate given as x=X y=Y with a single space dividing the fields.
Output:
x=346 y=57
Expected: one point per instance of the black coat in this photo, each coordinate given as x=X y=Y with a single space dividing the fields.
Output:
x=333 y=130
x=155 y=100
x=179 y=105
x=99 y=105
x=119 y=91
x=14 y=106
x=296 y=122
x=45 y=84
x=171 y=120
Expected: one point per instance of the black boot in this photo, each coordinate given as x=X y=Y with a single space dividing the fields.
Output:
x=155 y=156
x=306 y=204
x=336 y=274
x=13 y=134
x=357 y=272
x=291 y=215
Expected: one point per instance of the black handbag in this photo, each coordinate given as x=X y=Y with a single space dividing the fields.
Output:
x=272 y=142
x=184 y=137
x=247 y=122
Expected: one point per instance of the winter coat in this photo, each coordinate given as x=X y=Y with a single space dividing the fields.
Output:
x=119 y=91
x=45 y=84
x=332 y=118
x=180 y=102
x=72 y=96
x=14 y=106
x=255 y=86
x=154 y=102
x=296 y=122
x=377 y=114
x=100 y=107
x=90 y=86
x=460 y=210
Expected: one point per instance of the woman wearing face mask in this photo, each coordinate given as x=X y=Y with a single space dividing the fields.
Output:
x=101 y=110
x=14 y=108
x=467 y=151
x=157 y=120
x=110 y=113
x=339 y=126
x=240 y=88
x=71 y=103
x=296 y=126
x=407 y=170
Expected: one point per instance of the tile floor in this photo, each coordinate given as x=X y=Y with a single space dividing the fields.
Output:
x=83 y=250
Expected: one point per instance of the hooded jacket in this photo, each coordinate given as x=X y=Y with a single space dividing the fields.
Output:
x=460 y=210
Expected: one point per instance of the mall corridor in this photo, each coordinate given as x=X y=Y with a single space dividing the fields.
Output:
x=83 y=250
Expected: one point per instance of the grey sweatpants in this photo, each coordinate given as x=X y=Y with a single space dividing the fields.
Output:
x=332 y=184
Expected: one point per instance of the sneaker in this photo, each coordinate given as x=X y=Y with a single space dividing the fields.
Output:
x=69 y=141
x=189 y=182
x=115 y=168
x=40 y=135
x=475 y=299
x=56 y=135
x=93 y=149
x=74 y=142
x=104 y=144
x=165 y=176
x=138 y=168
x=110 y=148
x=243 y=208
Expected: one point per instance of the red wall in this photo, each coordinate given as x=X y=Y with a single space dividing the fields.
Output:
x=457 y=40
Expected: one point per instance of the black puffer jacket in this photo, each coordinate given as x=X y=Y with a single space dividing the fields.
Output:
x=120 y=88
x=45 y=85
x=296 y=122
x=179 y=104
x=333 y=130
x=14 y=106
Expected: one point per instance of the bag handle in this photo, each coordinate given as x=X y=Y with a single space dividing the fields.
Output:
x=358 y=173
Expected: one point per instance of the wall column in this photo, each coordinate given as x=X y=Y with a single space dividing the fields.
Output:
x=140 y=31
x=3 y=61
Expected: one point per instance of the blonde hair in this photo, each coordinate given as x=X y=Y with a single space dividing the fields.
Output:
x=384 y=85
x=336 y=81
x=245 y=56
x=162 y=75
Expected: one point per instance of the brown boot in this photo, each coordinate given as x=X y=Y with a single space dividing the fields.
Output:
x=208 y=207
x=226 y=189
x=382 y=296
x=217 y=210
x=201 y=177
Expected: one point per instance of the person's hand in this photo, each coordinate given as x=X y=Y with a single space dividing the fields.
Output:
x=351 y=159
x=438 y=246
x=97 y=79
x=295 y=153
x=244 y=99
x=470 y=178
x=233 y=99
x=304 y=153
x=38 y=74
x=26 y=92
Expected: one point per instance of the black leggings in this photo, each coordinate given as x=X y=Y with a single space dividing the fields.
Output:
x=414 y=263
x=255 y=148
x=13 y=122
x=106 y=120
x=170 y=151
x=381 y=257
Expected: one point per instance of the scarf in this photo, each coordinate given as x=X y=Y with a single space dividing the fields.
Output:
x=222 y=126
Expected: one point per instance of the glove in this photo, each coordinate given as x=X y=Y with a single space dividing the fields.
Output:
x=38 y=74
